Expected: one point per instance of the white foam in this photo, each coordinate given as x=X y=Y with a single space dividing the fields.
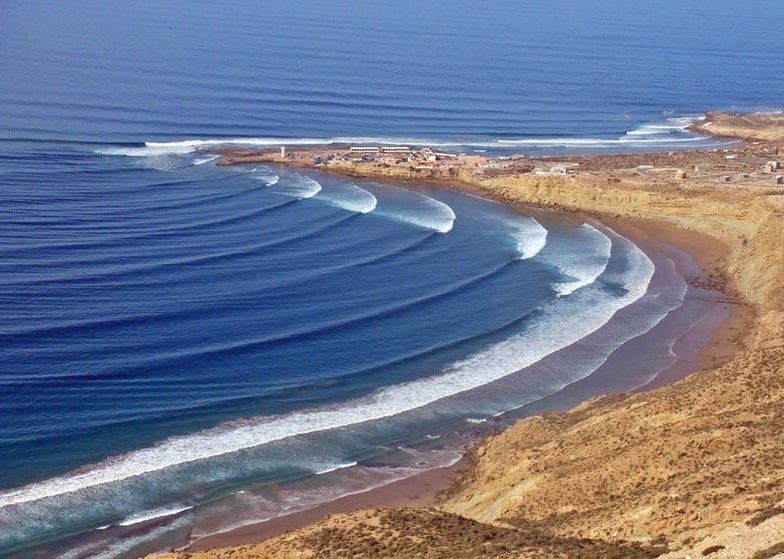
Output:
x=584 y=259
x=266 y=176
x=652 y=135
x=190 y=146
x=423 y=211
x=203 y=160
x=145 y=151
x=528 y=235
x=298 y=186
x=668 y=126
x=329 y=469
x=146 y=516
x=624 y=141
x=562 y=325
x=351 y=198
x=655 y=134
x=475 y=421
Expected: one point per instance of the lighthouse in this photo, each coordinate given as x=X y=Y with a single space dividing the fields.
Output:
x=283 y=152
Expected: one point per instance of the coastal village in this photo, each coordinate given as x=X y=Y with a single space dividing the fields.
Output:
x=422 y=161
x=754 y=165
x=751 y=164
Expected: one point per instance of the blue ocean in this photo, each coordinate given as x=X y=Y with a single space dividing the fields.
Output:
x=187 y=348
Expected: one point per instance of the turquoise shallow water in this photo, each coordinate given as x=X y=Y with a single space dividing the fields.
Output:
x=180 y=340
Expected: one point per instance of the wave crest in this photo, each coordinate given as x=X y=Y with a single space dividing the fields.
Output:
x=299 y=186
x=426 y=212
x=583 y=260
x=351 y=198
x=560 y=326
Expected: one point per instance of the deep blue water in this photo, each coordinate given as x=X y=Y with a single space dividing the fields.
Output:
x=175 y=336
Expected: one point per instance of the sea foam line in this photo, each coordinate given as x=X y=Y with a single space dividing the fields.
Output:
x=570 y=324
x=528 y=235
x=653 y=134
x=335 y=468
x=153 y=514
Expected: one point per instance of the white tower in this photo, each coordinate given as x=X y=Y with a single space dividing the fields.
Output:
x=283 y=152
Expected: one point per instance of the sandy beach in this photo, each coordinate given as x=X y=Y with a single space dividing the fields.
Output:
x=617 y=471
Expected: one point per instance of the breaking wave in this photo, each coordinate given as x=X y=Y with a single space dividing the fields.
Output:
x=298 y=186
x=426 y=212
x=528 y=235
x=203 y=160
x=336 y=467
x=351 y=198
x=671 y=131
x=583 y=260
x=556 y=328
x=265 y=175
x=669 y=126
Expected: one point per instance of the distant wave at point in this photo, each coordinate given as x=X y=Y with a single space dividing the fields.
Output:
x=671 y=131
x=265 y=175
x=560 y=327
x=668 y=126
x=352 y=198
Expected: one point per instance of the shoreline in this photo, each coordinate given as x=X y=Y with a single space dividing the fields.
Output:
x=420 y=490
x=423 y=490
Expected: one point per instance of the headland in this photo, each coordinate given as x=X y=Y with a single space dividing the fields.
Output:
x=694 y=468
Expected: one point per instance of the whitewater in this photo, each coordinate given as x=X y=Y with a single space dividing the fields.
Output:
x=489 y=365
x=669 y=133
